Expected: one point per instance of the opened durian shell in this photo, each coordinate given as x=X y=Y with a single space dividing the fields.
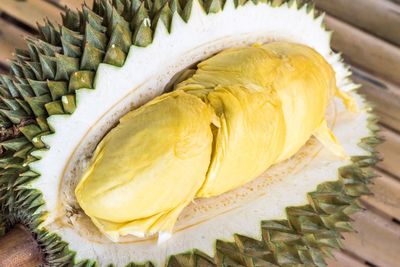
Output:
x=74 y=82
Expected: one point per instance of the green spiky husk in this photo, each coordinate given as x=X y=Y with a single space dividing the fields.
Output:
x=43 y=81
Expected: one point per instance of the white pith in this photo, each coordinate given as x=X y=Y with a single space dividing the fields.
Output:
x=143 y=76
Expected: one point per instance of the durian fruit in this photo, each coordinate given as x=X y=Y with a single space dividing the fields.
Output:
x=75 y=81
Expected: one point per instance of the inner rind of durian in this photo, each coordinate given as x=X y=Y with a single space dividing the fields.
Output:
x=200 y=210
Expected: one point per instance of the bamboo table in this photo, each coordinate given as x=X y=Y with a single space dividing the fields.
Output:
x=368 y=34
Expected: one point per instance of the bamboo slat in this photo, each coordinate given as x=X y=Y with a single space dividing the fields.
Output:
x=386 y=196
x=73 y=4
x=30 y=11
x=12 y=37
x=390 y=152
x=364 y=50
x=344 y=260
x=384 y=96
x=18 y=248
x=381 y=18
x=377 y=240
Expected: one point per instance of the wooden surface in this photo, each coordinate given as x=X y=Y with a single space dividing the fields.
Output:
x=18 y=248
x=368 y=34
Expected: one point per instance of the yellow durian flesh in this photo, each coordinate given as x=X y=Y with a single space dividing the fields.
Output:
x=249 y=137
x=242 y=111
x=152 y=162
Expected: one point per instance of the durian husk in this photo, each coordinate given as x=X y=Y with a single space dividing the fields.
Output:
x=43 y=81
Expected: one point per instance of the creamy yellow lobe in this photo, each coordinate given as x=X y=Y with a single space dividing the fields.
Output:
x=151 y=163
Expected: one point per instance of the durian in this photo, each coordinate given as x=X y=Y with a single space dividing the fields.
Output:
x=72 y=85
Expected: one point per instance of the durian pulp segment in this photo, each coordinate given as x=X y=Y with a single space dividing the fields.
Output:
x=262 y=104
x=152 y=163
